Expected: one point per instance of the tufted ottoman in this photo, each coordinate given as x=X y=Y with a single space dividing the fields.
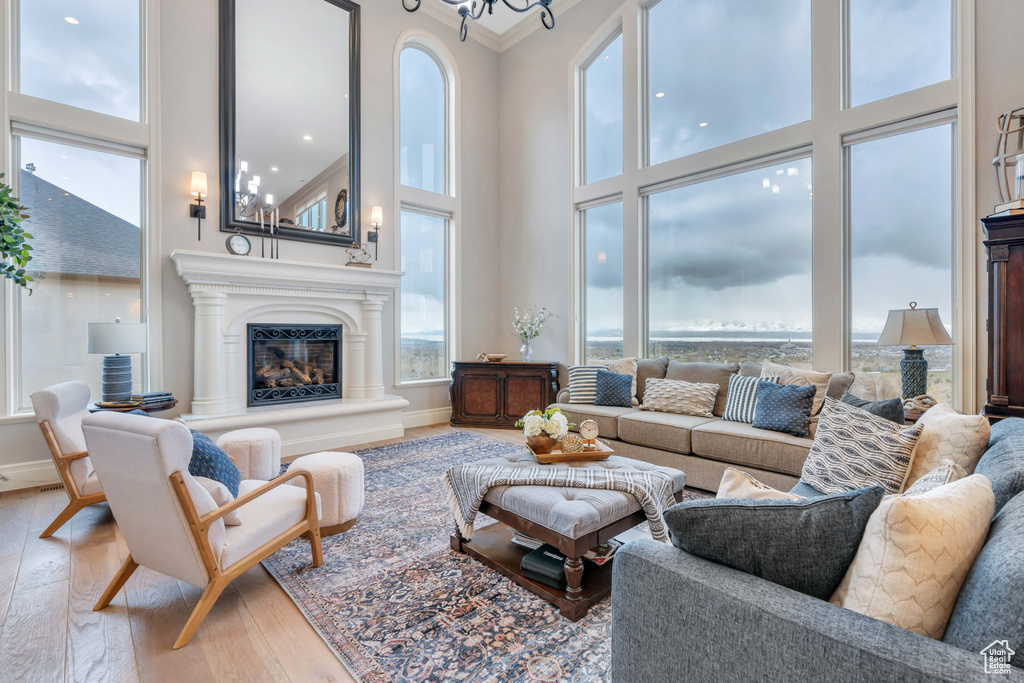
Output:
x=338 y=479
x=571 y=519
x=256 y=452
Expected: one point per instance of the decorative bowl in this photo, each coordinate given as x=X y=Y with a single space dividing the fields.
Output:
x=496 y=357
x=542 y=444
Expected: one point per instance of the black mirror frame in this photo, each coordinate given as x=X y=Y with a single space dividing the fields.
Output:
x=227 y=132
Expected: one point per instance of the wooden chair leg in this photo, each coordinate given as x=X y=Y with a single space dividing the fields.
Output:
x=314 y=545
x=67 y=513
x=203 y=607
x=122 y=576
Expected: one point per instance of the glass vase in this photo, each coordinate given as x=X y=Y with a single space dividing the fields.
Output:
x=526 y=351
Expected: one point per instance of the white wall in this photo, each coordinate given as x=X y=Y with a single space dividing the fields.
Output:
x=188 y=129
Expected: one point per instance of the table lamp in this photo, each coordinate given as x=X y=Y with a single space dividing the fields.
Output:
x=914 y=327
x=116 y=341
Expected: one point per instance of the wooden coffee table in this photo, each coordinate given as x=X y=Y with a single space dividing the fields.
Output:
x=493 y=546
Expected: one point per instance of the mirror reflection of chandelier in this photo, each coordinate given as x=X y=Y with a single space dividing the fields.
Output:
x=476 y=8
x=248 y=201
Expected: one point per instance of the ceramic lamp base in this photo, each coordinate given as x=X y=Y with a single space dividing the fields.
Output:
x=914 y=373
x=117 y=378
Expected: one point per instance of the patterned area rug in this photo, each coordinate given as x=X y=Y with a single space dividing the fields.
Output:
x=395 y=603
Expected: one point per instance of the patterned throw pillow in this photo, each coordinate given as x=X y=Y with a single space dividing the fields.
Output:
x=948 y=435
x=940 y=476
x=626 y=366
x=854 y=449
x=614 y=389
x=800 y=377
x=784 y=408
x=684 y=398
x=213 y=463
x=583 y=383
x=739 y=402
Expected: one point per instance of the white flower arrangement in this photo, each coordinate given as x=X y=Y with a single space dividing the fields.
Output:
x=552 y=422
x=528 y=324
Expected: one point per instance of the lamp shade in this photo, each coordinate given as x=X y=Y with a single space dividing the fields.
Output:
x=377 y=216
x=114 y=338
x=914 y=327
x=199 y=184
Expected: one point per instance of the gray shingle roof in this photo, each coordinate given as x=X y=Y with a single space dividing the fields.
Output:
x=71 y=235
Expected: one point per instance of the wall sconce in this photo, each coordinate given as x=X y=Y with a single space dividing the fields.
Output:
x=199 y=190
x=377 y=219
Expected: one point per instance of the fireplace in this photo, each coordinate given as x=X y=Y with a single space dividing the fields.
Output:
x=294 y=363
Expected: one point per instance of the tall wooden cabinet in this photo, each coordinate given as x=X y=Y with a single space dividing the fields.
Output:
x=498 y=394
x=1005 y=245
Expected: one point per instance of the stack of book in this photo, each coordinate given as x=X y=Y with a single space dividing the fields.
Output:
x=153 y=398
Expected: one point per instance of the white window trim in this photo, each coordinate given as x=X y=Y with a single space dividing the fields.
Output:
x=447 y=206
x=824 y=135
x=101 y=131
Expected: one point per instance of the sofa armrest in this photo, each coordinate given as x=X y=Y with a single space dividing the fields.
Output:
x=563 y=396
x=675 y=614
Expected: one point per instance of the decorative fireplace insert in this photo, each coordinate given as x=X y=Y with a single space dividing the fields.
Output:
x=293 y=363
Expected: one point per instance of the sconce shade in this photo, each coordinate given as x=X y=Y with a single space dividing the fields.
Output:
x=199 y=184
x=114 y=338
x=377 y=216
x=914 y=327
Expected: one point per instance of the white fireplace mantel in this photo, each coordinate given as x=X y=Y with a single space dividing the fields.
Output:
x=230 y=292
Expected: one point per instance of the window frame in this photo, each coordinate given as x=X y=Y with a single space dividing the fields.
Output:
x=447 y=206
x=66 y=124
x=832 y=123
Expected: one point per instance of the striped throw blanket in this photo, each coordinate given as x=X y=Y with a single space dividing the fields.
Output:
x=466 y=486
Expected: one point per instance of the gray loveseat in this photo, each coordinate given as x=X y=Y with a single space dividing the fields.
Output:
x=700 y=446
x=676 y=616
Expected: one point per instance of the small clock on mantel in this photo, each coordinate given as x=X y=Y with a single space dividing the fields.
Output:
x=239 y=245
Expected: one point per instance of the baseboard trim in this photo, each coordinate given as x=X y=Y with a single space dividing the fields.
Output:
x=425 y=418
x=24 y=475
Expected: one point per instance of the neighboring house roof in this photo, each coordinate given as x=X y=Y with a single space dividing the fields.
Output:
x=74 y=236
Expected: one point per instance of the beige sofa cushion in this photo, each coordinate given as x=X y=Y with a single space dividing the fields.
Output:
x=738 y=443
x=606 y=417
x=915 y=554
x=665 y=431
x=647 y=368
x=705 y=373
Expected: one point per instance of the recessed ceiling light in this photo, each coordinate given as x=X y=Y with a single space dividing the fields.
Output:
x=71 y=20
x=703 y=124
x=775 y=189
x=766 y=184
x=63 y=177
x=64 y=157
x=307 y=138
x=661 y=94
x=273 y=168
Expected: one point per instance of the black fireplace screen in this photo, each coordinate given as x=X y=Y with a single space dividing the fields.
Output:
x=292 y=363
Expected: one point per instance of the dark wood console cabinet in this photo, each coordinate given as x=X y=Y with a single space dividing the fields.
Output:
x=498 y=394
x=1005 y=245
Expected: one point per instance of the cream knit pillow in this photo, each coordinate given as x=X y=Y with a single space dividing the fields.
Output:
x=737 y=484
x=948 y=435
x=915 y=555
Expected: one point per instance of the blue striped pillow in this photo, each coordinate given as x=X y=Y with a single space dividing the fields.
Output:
x=583 y=383
x=742 y=397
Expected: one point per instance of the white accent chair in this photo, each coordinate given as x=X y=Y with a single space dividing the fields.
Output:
x=59 y=411
x=171 y=523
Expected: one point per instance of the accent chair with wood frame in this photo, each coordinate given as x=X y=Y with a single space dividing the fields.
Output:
x=171 y=523
x=59 y=411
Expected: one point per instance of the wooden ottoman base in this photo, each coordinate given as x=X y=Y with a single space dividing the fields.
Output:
x=337 y=528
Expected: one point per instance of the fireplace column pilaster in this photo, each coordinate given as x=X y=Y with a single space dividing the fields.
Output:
x=354 y=381
x=209 y=393
x=374 y=365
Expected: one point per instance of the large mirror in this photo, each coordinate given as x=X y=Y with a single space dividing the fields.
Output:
x=290 y=118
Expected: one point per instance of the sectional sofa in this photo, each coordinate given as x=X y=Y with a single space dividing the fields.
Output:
x=700 y=446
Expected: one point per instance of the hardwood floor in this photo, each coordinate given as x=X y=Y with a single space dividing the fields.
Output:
x=48 y=631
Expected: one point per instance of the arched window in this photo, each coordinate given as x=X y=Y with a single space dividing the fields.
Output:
x=427 y=209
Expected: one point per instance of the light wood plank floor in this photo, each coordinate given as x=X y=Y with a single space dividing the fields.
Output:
x=49 y=633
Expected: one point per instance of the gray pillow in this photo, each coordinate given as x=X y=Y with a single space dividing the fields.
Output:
x=839 y=384
x=1003 y=462
x=649 y=367
x=806 y=545
x=749 y=368
x=705 y=373
x=989 y=605
x=891 y=409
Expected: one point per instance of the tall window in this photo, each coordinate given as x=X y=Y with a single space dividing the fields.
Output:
x=428 y=211
x=423 y=121
x=901 y=239
x=602 y=228
x=314 y=215
x=602 y=89
x=729 y=268
x=85 y=54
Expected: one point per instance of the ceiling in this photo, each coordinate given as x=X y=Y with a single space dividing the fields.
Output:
x=502 y=29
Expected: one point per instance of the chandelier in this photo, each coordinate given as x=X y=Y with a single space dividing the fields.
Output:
x=476 y=8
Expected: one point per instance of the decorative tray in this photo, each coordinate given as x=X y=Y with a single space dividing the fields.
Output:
x=109 y=405
x=601 y=451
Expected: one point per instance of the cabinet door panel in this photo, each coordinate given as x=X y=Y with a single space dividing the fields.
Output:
x=524 y=394
x=481 y=397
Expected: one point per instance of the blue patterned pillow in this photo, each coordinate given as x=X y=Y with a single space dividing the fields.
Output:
x=741 y=398
x=614 y=389
x=784 y=408
x=583 y=383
